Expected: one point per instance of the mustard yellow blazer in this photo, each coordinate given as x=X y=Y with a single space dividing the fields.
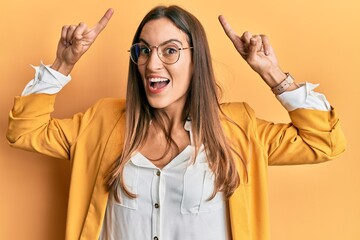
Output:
x=93 y=140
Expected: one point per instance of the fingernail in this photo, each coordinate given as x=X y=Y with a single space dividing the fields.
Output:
x=266 y=52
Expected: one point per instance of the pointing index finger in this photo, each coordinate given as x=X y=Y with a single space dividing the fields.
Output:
x=227 y=28
x=104 y=20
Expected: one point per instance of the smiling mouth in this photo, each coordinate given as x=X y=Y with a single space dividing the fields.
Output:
x=158 y=83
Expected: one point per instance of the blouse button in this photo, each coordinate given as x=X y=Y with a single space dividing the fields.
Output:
x=156 y=238
x=158 y=173
x=156 y=205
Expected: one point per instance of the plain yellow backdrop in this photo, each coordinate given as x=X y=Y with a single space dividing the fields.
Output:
x=317 y=41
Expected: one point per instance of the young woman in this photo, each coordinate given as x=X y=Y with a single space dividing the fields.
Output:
x=171 y=162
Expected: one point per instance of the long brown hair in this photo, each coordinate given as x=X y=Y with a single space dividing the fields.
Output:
x=202 y=105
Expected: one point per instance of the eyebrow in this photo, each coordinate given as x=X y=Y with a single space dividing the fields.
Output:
x=167 y=41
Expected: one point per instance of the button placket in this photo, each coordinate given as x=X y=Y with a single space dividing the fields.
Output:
x=155 y=192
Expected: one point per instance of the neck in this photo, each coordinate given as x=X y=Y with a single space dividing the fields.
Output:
x=172 y=117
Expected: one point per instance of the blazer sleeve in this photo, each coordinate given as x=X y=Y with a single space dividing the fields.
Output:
x=32 y=128
x=313 y=136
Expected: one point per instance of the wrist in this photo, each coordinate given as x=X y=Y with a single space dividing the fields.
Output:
x=62 y=67
x=276 y=77
x=273 y=77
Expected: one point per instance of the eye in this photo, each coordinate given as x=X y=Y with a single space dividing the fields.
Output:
x=144 y=50
x=170 y=50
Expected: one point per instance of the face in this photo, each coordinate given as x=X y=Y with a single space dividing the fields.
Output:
x=166 y=85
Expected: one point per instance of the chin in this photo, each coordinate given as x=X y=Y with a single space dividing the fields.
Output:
x=157 y=104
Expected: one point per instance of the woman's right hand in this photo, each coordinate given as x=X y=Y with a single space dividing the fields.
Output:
x=75 y=41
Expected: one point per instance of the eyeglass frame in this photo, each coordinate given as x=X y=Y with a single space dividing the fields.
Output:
x=150 y=48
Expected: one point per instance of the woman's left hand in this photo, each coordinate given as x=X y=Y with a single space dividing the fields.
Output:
x=257 y=52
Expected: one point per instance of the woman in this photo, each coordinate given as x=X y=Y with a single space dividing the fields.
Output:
x=171 y=162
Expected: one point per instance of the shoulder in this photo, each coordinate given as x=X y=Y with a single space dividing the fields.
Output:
x=237 y=111
x=237 y=118
x=110 y=104
x=239 y=124
x=107 y=108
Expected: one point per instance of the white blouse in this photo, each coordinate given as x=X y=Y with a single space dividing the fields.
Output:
x=172 y=202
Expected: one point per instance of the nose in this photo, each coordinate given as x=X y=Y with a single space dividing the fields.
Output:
x=154 y=61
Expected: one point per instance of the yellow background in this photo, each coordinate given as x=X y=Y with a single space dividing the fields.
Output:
x=317 y=41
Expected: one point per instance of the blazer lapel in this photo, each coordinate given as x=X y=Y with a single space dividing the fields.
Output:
x=94 y=219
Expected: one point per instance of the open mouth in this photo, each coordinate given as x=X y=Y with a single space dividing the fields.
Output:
x=158 y=83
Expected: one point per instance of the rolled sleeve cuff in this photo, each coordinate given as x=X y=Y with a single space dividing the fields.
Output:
x=46 y=80
x=304 y=97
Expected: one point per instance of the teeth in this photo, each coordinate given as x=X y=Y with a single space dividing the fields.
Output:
x=158 y=80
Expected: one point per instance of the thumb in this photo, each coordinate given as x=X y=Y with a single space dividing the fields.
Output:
x=77 y=46
x=76 y=42
x=253 y=48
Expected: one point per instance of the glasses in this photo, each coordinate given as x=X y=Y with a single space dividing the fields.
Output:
x=168 y=52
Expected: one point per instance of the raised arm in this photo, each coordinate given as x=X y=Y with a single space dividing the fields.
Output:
x=314 y=134
x=31 y=126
